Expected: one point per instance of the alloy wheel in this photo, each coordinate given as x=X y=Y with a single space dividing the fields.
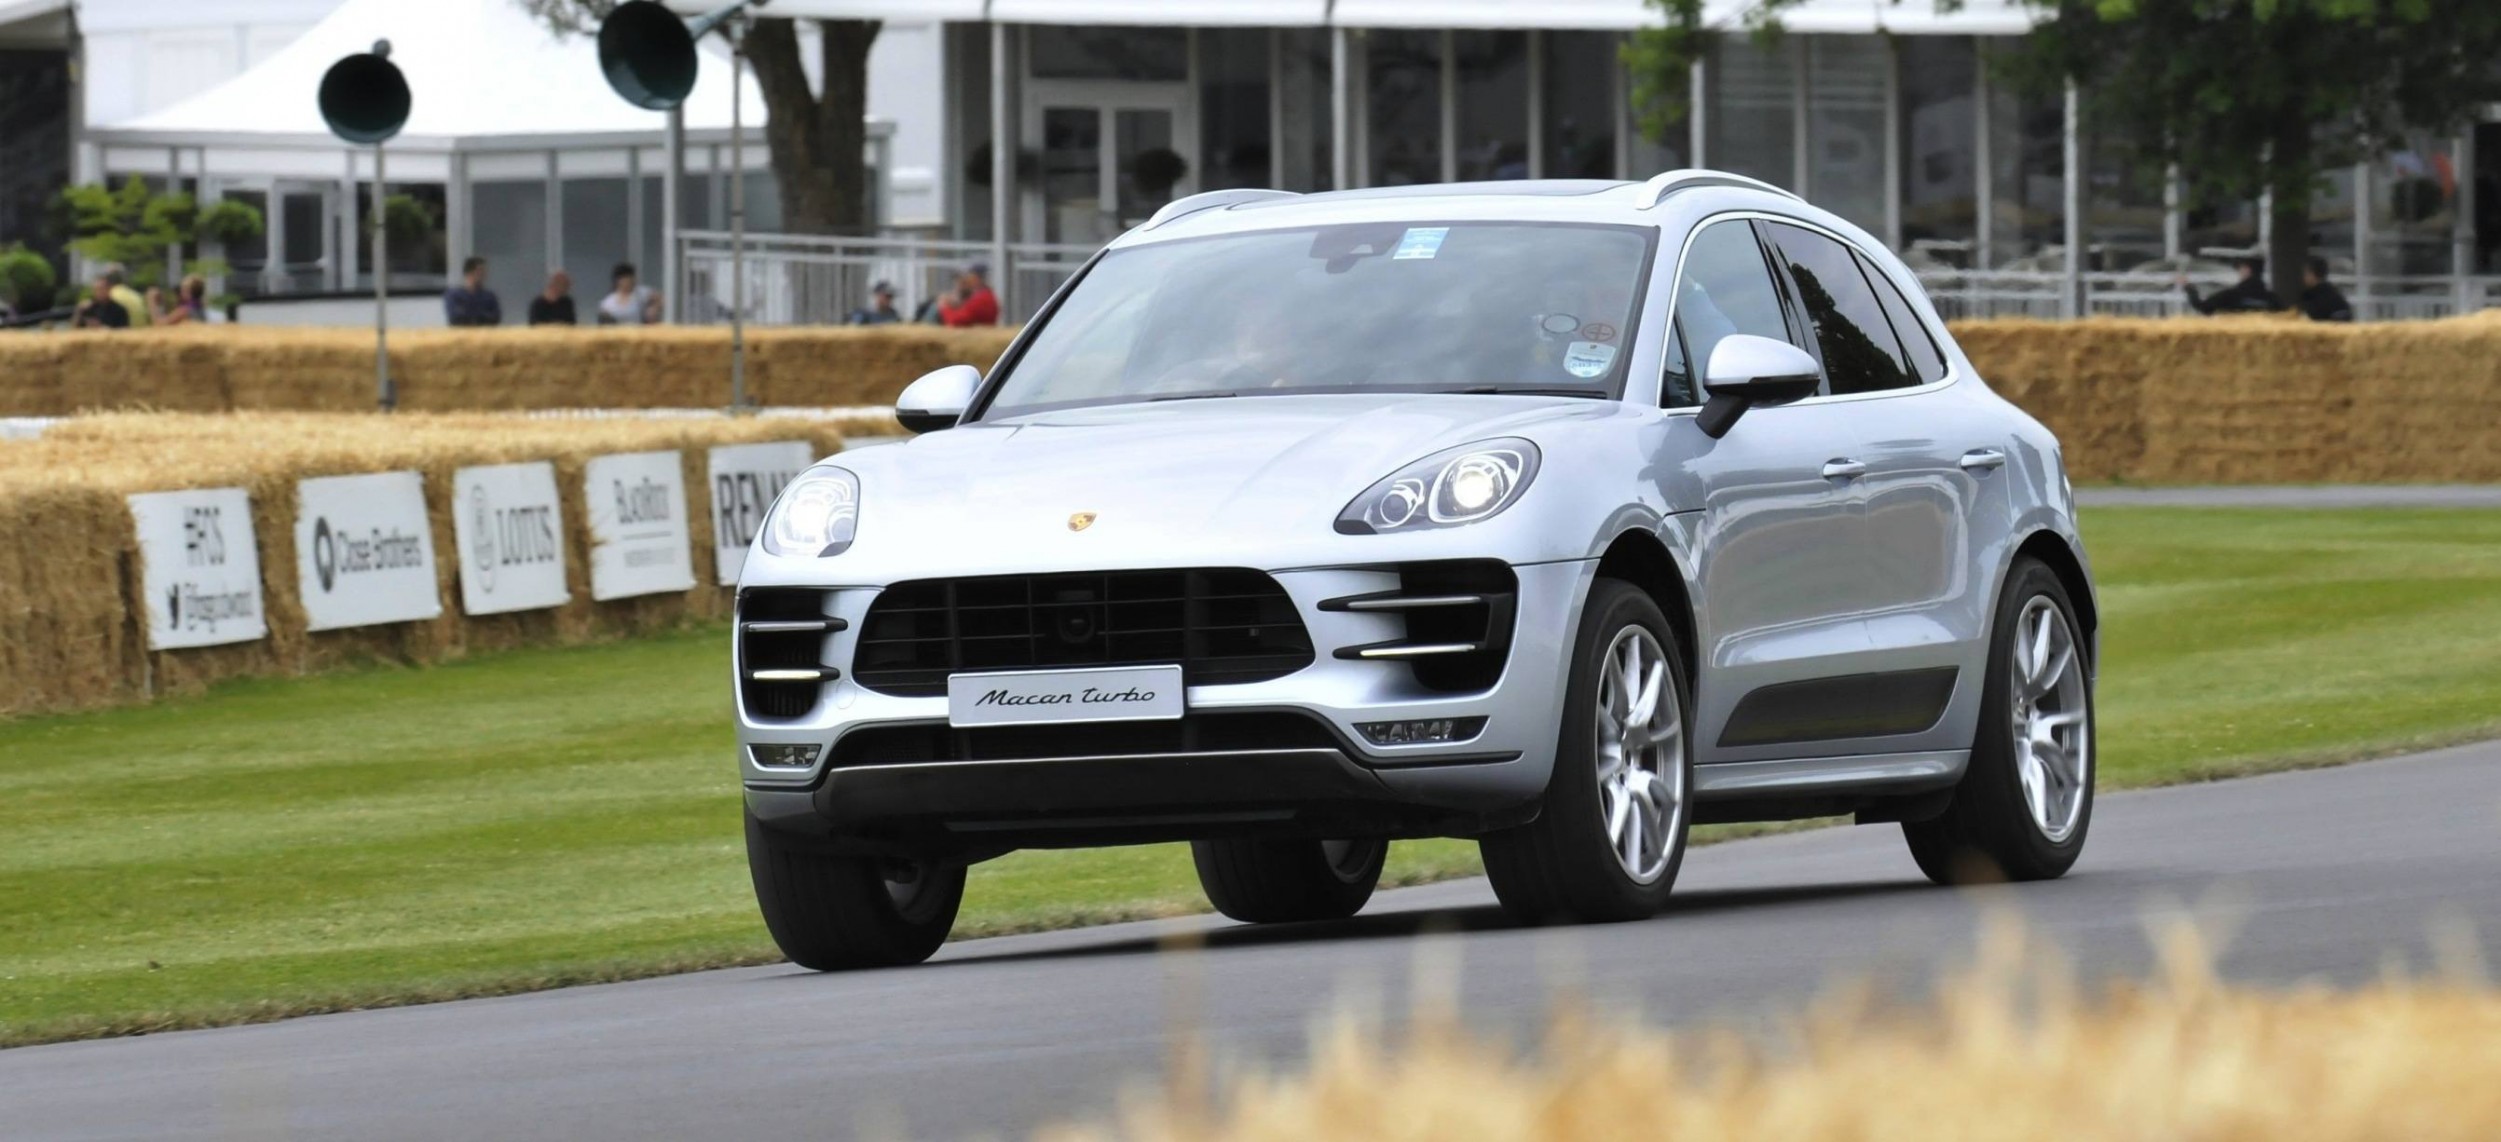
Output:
x=1640 y=754
x=2053 y=725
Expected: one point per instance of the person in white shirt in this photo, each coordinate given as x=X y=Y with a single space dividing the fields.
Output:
x=628 y=303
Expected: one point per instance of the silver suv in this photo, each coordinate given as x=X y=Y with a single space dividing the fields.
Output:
x=1560 y=515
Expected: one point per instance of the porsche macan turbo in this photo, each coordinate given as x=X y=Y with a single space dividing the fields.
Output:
x=1559 y=515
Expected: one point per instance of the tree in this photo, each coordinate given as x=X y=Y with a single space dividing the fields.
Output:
x=138 y=227
x=2246 y=97
x=818 y=137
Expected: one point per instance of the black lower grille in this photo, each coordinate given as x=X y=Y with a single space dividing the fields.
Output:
x=1196 y=733
x=793 y=647
x=1220 y=625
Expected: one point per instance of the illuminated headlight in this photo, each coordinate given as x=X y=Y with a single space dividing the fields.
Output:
x=1456 y=486
x=815 y=516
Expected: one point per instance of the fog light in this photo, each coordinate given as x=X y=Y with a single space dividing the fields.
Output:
x=1427 y=732
x=783 y=756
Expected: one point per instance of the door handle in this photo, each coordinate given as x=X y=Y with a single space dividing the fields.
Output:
x=1844 y=469
x=1982 y=459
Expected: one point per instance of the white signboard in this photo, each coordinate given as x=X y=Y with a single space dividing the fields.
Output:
x=202 y=576
x=364 y=553
x=745 y=478
x=640 y=544
x=510 y=531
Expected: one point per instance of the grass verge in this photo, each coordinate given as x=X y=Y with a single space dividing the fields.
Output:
x=551 y=817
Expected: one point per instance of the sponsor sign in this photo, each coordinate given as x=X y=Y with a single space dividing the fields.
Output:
x=639 y=539
x=364 y=553
x=201 y=569
x=1022 y=698
x=745 y=478
x=510 y=531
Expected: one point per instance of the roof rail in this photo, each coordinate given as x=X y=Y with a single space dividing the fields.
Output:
x=1657 y=189
x=1210 y=199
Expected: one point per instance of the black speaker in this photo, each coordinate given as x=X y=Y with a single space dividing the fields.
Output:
x=364 y=97
x=647 y=54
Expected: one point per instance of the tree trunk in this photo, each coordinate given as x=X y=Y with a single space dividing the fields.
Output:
x=817 y=139
x=2291 y=180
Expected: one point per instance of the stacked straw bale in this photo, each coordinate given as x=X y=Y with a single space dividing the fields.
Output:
x=248 y=368
x=72 y=624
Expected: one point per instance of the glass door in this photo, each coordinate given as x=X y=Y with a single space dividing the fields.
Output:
x=1111 y=154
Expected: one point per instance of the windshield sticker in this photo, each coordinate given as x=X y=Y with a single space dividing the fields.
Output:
x=1558 y=324
x=1598 y=331
x=1588 y=359
x=1420 y=242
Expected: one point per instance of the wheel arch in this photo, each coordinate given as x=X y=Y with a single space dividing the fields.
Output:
x=1639 y=558
x=2052 y=550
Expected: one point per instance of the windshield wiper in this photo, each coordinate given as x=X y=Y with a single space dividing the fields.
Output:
x=1525 y=391
x=1190 y=396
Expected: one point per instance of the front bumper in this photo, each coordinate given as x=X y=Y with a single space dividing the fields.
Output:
x=1067 y=794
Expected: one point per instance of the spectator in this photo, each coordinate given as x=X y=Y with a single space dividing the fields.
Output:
x=100 y=311
x=881 y=310
x=190 y=303
x=124 y=296
x=2248 y=295
x=470 y=302
x=554 y=305
x=2319 y=300
x=628 y=303
x=970 y=302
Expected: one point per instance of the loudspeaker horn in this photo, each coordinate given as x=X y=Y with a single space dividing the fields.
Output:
x=648 y=53
x=364 y=97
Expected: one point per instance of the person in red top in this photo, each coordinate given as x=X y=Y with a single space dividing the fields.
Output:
x=970 y=302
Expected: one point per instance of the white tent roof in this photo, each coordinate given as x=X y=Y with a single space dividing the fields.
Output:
x=477 y=70
x=1973 y=17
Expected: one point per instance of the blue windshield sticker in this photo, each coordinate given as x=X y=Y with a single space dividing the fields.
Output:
x=1588 y=359
x=1420 y=242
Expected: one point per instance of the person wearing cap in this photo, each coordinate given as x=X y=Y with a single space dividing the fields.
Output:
x=881 y=310
x=970 y=302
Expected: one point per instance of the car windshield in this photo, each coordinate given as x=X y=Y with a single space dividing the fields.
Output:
x=1398 y=307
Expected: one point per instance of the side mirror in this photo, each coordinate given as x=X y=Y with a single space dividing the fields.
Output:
x=1747 y=370
x=938 y=399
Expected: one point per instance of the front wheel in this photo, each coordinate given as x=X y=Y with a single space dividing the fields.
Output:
x=2027 y=797
x=830 y=912
x=1608 y=840
x=1273 y=882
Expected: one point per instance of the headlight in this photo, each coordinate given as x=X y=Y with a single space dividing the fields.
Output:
x=815 y=516
x=1448 y=488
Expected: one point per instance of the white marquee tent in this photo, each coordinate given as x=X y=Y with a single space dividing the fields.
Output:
x=538 y=164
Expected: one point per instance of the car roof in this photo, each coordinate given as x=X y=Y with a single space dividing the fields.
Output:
x=1560 y=200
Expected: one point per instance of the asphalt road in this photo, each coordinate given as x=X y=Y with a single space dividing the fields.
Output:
x=2326 y=874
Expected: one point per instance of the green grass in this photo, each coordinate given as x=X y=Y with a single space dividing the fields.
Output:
x=540 y=818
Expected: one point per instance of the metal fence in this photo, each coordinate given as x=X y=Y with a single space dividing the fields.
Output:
x=797 y=279
x=808 y=280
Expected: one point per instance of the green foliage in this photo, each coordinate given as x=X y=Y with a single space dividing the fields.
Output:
x=136 y=226
x=409 y=221
x=1660 y=58
x=24 y=276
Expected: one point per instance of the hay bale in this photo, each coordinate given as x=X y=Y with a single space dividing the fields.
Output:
x=30 y=376
x=72 y=624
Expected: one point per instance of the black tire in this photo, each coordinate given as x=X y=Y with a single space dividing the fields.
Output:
x=835 y=913
x=1275 y=882
x=1563 y=866
x=1988 y=832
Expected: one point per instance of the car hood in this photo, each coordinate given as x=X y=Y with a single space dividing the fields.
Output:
x=1217 y=479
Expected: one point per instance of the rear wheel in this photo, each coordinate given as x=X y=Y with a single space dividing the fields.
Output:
x=831 y=912
x=2025 y=802
x=1268 y=882
x=1608 y=841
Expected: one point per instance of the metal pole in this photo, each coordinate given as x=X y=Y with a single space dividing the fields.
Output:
x=1002 y=165
x=1536 y=103
x=383 y=396
x=1892 y=142
x=2071 y=295
x=1983 y=168
x=738 y=215
x=1698 y=112
x=672 y=214
x=1341 y=168
x=2361 y=238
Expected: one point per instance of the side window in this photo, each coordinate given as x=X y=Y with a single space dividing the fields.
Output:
x=1861 y=355
x=1677 y=386
x=1925 y=360
x=1727 y=288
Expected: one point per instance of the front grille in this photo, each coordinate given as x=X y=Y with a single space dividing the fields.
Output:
x=1195 y=733
x=1220 y=625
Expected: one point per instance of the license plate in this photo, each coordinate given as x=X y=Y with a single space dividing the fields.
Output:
x=1034 y=697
